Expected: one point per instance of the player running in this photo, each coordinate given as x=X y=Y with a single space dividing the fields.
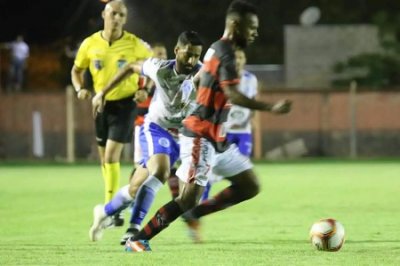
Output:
x=169 y=106
x=204 y=146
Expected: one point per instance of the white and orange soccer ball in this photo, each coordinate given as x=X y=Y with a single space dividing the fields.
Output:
x=327 y=235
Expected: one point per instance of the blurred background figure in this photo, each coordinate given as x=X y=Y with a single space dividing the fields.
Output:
x=19 y=51
x=70 y=48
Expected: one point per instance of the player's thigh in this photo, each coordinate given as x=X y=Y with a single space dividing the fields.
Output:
x=159 y=166
x=137 y=152
x=140 y=175
x=196 y=156
x=246 y=179
x=156 y=140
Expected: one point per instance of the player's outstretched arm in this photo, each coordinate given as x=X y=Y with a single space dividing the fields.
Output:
x=125 y=72
x=280 y=107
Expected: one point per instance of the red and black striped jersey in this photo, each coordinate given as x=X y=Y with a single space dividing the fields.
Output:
x=212 y=105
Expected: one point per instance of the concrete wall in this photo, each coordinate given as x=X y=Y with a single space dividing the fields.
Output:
x=320 y=120
x=311 y=52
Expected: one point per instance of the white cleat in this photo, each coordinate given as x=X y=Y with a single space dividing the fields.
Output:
x=100 y=222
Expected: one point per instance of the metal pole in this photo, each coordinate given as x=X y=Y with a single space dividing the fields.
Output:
x=70 y=124
x=353 y=119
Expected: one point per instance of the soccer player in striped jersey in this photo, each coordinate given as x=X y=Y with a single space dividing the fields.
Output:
x=204 y=147
x=104 y=53
x=170 y=104
x=238 y=124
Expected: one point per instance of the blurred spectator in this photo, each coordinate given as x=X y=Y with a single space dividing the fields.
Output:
x=19 y=54
x=70 y=48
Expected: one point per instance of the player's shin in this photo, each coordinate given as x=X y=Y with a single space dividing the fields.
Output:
x=119 y=202
x=161 y=220
x=112 y=179
x=173 y=183
x=229 y=196
x=144 y=199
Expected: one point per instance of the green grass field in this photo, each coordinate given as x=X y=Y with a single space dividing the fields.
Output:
x=46 y=211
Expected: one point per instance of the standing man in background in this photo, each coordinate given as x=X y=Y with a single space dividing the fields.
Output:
x=19 y=54
x=104 y=53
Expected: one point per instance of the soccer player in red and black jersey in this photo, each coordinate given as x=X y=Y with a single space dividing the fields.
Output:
x=204 y=147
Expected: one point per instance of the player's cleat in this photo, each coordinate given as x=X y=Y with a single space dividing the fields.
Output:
x=137 y=245
x=130 y=232
x=193 y=228
x=118 y=219
x=100 y=222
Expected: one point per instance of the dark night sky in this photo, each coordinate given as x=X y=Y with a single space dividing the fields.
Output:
x=46 y=21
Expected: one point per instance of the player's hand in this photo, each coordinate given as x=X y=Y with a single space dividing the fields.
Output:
x=141 y=96
x=97 y=104
x=84 y=94
x=281 y=107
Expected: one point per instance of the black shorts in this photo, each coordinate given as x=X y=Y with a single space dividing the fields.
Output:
x=116 y=121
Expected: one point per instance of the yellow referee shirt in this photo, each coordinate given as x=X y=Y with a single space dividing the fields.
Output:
x=104 y=61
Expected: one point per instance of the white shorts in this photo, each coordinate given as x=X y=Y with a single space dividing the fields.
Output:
x=200 y=161
x=137 y=152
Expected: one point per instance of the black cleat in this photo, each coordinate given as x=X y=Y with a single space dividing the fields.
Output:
x=130 y=232
x=118 y=219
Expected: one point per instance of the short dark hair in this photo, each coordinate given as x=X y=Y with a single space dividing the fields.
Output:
x=189 y=37
x=241 y=7
x=157 y=44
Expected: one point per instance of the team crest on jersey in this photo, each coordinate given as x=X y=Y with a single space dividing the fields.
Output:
x=121 y=63
x=237 y=114
x=98 y=64
x=164 y=142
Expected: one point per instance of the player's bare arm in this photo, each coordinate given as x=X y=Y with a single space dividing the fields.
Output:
x=78 y=81
x=196 y=79
x=280 y=107
x=124 y=73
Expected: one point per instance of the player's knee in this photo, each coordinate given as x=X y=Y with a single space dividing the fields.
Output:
x=186 y=203
x=162 y=173
x=250 y=190
x=254 y=190
x=132 y=190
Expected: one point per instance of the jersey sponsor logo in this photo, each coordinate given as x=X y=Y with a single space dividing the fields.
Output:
x=164 y=142
x=209 y=54
x=98 y=64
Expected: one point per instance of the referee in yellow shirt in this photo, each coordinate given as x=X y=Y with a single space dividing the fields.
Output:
x=104 y=53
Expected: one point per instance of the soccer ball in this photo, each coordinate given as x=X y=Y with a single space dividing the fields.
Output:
x=327 y=235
